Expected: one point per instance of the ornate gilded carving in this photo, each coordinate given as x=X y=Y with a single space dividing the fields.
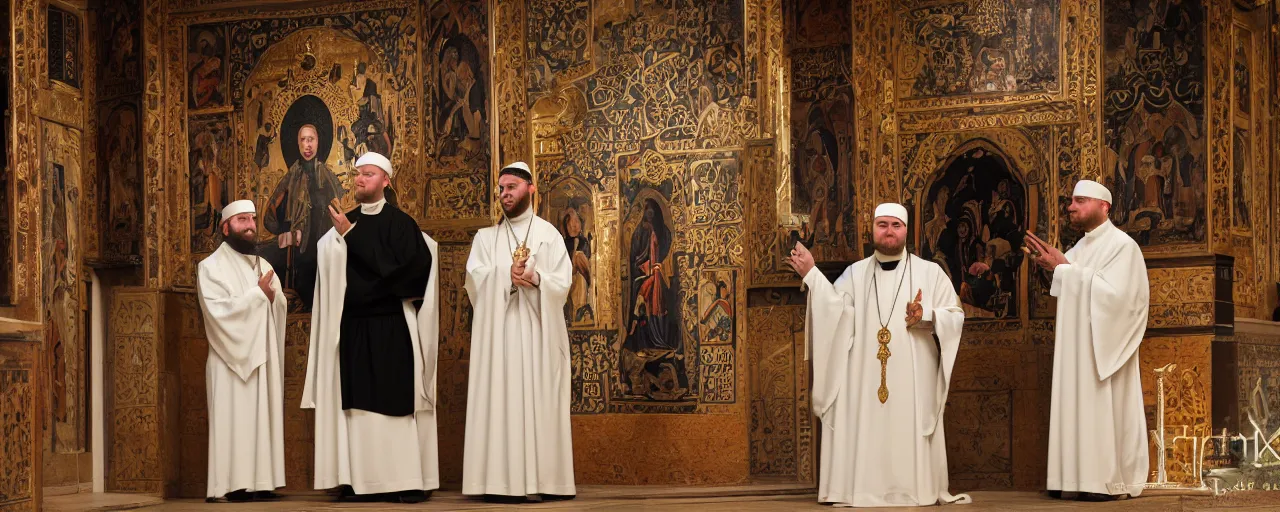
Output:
x=17 y=433
x=1187 y=396
x=560 y=42
x=179 y=270
x=1218 y=132
x=155 y=115
x=25 y=178
x=134 y=459
x=510 y=83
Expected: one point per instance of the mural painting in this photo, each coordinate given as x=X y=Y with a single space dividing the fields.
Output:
x=206 y=66
x=1154 y=159
x=210 y=184
x=973 y=219
x=653 y=363
x=979 y=47
x=819 y=211
x=456 y=80
x=119 y=46
x=120 y=150
x=315 y=102
x=1242 y=157
x=60 y=252
x=568 y=205
x=1242 y=181
x=822 y=146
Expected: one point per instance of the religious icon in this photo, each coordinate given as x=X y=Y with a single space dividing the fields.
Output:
x=653 y=352
x=297 y=210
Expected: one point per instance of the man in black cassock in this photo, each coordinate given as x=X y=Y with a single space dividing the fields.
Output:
x=375 y=419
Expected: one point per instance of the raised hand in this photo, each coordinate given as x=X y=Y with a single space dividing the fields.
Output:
x=914 y=310
x=340 y=221
x=264 y=283
x=801 y=260
x=1046 y=256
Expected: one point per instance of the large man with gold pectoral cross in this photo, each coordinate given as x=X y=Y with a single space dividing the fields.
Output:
x=883 y=339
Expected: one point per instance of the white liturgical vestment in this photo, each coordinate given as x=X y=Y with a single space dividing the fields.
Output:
x=893 y=453
x=244 y=379
x=1097 y=424
x=518 y=440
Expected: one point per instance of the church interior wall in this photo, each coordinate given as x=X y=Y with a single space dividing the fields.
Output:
x=726 y=130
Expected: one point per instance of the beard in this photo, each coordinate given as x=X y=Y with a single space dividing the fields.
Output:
x=889 y=249
x=1087 y=220
x=365 y=197
x=244 y=242
x=519 y=207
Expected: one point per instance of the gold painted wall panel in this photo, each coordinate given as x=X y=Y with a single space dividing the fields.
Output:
x=20 y=445
x=28 y=18
x=1187 y=397
x=134 y=459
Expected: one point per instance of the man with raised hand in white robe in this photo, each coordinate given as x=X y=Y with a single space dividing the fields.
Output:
x=518 y=441
x=883 y=340
x=371 y=369
x=244 y=318
x=1097 y=424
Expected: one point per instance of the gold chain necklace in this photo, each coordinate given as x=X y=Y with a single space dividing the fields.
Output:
x=521 y=253
x=883 y=335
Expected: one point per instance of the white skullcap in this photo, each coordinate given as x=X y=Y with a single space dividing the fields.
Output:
x=892 y=210
x=519 y=169
x=1090 y=188
x=237 y=208
x=380 y=161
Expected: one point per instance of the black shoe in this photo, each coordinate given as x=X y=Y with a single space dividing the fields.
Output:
x=266 y=496
x=1057 y=495
x=239 y=496
x=558 y=497
x=506 y=500
x=1094 y=497
x=411 y=496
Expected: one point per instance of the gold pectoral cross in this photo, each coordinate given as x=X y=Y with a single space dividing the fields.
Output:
x=883 y=336
x=521 y=254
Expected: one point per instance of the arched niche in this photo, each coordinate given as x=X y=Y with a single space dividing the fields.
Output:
x=975 y=200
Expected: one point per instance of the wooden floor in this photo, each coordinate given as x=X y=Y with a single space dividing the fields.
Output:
x=601 y=498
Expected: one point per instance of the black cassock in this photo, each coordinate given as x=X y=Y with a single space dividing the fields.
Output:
x=387 y=262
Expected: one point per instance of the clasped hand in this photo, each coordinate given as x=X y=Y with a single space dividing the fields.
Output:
x=524 y=273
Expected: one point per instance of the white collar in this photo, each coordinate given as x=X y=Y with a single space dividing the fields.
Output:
x=1098 y=231
x=373 y=208
x=525 y=215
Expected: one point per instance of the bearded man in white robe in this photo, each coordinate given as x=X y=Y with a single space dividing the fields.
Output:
x=372 y=359
x=518 y=440
x=883 y=339
x=1097 y=424
x=244 y=318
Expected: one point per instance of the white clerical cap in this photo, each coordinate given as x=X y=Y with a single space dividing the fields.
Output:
x=237 y=208
x=378 y=160
x=518 y=169
x=1090 y=188
x=892 y=210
